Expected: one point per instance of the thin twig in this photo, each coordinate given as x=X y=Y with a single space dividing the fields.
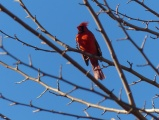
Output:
x=30 y=60
x=42 y=93
x=143 y=43
x=39 y=109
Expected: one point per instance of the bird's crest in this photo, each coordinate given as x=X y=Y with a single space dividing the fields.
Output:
x=84 y=24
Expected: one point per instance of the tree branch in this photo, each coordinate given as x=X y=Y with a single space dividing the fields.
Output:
x=39 y=109
x=113 y=55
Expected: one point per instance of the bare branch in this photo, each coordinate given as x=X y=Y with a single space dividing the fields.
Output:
x=67 y=89
x=1 y=41
x=58 y=84
x=90 y=55
x=147 y=8
x=70 y=102
x=38 y=109
x=130 y=64
x=117 y=9
x=143 y=43
x=22 y=81
x=39 y=26
x=30 y=60
x=42 y=93
x=4 y=117
x=79 y=67
x=24 y=43
x=111 y=50
x=120 y=93
x=101 y=101
x=135 y=82
x=144 y=65
x=144 y=105
x=60 y=72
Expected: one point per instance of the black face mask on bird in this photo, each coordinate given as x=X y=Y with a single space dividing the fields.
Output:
x=80 y=29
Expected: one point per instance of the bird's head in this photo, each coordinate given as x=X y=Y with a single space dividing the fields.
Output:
x=82 y=27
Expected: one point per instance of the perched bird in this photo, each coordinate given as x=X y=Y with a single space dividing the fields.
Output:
x=87 y=42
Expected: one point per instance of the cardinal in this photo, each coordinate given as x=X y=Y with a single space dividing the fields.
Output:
x=87 y=42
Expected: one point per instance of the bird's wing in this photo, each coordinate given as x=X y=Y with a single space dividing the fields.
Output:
x=99 y=52
x=86 y=59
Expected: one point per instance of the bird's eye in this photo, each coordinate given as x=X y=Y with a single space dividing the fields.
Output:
x=81 y=28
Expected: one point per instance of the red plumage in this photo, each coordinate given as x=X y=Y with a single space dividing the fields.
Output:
x=87 y=42
x=84 y=24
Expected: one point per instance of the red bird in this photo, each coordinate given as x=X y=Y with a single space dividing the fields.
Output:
x=87 y=42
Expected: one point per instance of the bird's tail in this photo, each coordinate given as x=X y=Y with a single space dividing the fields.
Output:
x=98 y=74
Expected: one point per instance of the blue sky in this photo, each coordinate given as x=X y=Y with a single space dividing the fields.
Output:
x=61 y=18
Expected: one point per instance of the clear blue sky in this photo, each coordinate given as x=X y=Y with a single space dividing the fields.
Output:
x=61 y=17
